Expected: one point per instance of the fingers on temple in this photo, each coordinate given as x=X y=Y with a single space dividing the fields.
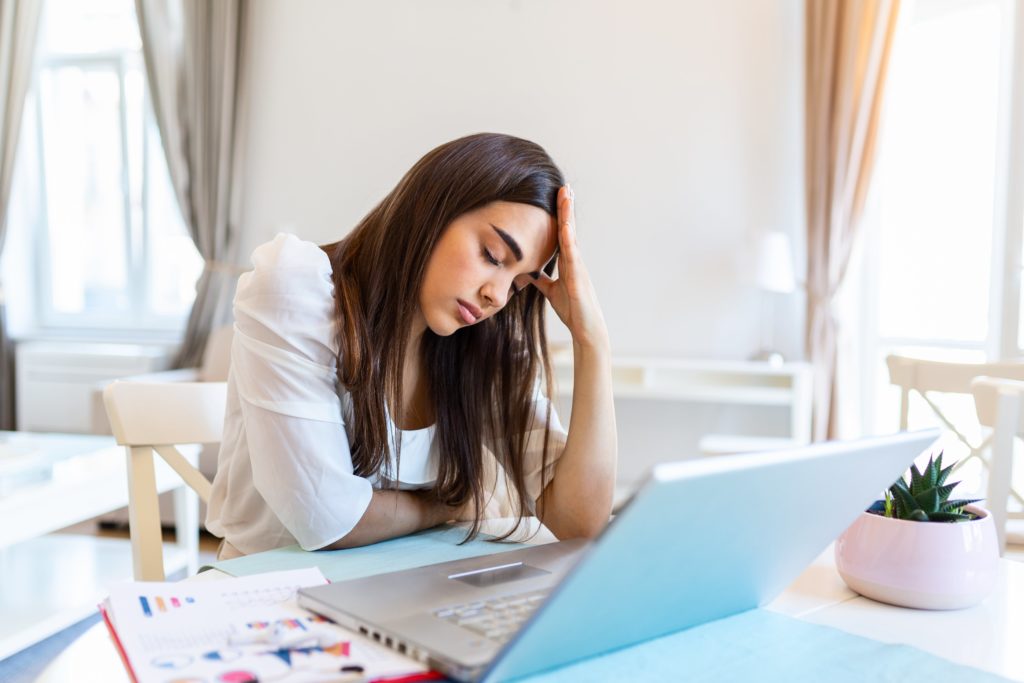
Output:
x=566 y=209
x=566 y=223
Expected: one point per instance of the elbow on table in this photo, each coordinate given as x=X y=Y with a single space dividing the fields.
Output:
x=587 y=528
x=350 y=540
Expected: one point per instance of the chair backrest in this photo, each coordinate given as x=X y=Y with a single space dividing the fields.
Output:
x=943 y=376
x=922 y=375
x=986 y=392
x=166 y=413
x=147 y=417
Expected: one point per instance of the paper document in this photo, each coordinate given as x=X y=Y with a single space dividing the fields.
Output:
x=240 y=630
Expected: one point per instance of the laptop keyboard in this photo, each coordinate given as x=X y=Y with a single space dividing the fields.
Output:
x=497 y=618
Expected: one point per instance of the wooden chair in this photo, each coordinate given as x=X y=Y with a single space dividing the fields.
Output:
x=1000 y=406
x=148 y=417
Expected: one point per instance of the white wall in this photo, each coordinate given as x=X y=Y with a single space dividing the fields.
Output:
x=678 y=124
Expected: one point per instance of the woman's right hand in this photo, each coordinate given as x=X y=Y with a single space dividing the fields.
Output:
x=572 y=295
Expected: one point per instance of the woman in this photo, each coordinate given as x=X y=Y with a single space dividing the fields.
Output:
x=390 y=382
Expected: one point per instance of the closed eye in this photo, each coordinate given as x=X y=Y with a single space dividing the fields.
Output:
x=520 y=283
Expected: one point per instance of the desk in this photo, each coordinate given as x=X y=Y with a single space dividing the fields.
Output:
x=987 y=636
x=89 y=479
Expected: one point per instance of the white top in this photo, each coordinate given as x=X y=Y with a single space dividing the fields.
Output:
x=284 y=472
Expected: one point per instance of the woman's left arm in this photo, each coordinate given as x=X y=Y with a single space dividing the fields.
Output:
x=578 y=500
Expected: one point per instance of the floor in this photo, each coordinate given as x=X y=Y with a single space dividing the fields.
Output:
x=207 y=543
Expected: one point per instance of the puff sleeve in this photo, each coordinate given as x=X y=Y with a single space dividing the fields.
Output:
x=283 y=368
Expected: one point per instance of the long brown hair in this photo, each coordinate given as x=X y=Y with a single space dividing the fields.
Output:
x=481 y=377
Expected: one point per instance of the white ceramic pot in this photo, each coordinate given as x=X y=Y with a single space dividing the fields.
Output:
x=927 y=565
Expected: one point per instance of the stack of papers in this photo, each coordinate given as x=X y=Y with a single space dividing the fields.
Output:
x=241 y=630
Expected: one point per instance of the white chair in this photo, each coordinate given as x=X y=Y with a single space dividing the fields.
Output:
x=214 y=368
x=928 y=377
x=1000 y=406
x=148 y=417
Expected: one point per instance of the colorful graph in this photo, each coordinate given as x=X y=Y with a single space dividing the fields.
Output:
x=286 y=624
x=158 y=603
x=339 y=649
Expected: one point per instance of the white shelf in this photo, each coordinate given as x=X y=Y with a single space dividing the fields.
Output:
x=723 y=382
x=729 y=444
x=739 y=396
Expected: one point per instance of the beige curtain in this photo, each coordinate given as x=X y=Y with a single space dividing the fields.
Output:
x=194 y=56
x=19 y=23
x=848 y=44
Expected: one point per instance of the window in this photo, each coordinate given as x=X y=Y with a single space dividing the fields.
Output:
x=110 y=247
x=933 y=231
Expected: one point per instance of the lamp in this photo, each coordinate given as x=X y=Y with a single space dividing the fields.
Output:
x=774 y=277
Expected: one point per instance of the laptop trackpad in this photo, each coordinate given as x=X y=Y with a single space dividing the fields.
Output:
x=498 y=574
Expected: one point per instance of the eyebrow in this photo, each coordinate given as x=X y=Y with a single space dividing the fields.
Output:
x=517 y=250
x=510 y=241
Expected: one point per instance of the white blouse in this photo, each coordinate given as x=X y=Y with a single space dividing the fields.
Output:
x=284 y=472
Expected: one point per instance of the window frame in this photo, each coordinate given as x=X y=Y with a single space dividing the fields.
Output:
x=1007 y=270
x=1006 y=260
x=137 y=317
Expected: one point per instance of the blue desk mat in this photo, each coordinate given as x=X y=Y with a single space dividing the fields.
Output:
x=757 y=645
x=439 y=544
x=764 y=646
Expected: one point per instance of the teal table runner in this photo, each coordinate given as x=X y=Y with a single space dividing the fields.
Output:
x=766 y=647
x=757 y=645
x=439 y=544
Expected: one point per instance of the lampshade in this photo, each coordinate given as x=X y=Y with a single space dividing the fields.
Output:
x=775 y=264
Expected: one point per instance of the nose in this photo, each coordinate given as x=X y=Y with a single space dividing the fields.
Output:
x=496 y=293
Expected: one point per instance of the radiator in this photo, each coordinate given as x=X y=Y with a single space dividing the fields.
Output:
x=55 y=382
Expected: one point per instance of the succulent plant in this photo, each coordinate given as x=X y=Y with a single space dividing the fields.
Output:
x=926 y=497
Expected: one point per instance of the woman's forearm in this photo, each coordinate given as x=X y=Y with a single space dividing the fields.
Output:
x=394 y=513
x=578 y=501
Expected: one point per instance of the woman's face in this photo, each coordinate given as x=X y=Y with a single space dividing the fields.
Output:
x=481 y=260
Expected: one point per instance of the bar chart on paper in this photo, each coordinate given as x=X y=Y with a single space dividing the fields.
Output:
x=158 y=604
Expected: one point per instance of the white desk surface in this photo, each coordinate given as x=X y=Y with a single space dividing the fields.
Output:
x=90 y=483
x=989 y=636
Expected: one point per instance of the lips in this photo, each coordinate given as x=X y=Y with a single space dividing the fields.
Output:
x=468 y=312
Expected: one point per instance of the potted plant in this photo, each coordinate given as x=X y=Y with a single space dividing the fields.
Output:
x=918 y=548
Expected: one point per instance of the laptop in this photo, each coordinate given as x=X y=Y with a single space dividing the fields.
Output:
x=698 y=541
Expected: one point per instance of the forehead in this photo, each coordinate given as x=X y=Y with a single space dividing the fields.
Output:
x=532 y=228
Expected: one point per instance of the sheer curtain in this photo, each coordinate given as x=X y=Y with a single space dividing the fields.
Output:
x=19 y=24
x=848 y=45
x=194 y=59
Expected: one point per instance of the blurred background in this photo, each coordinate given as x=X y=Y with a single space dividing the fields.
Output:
x=773 y=197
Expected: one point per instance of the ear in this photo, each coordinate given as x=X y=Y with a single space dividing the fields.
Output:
x=544 y=283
